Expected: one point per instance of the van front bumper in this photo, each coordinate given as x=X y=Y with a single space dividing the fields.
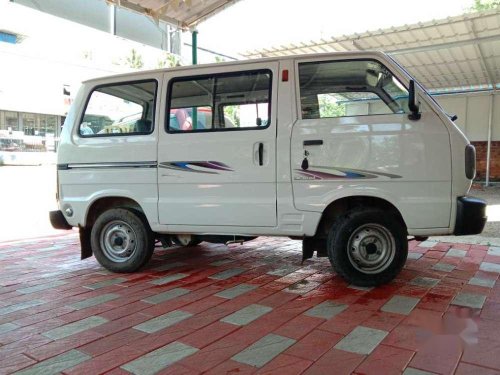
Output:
x=471 y=216
x=58 y=220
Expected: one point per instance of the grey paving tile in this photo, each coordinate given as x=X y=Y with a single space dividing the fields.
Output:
x=50 y=248
x=20 y=306
x=163 y=321
x=283 y=271
x=400 y=305
x=414 y=256
x=361 y=340
x=445 y=267
x=488 y=283
x=494 y=250
x=224 y=275
x=326 y=310
x=236 y=291
x=221 y=262
x=166 y=296
x=75 y=327
x=414 y=371
x=456 y=253
x=475 y=301
x=56 y=364
x=264 y=350
x=169 y=266
x=490 y=267
x=94 y=301
x=157 y=360
x=105 y=283
x=246 y=315
x=38 y=288
x=7 y=327
x=428 y=244
x=169 y=279
x=426 y=282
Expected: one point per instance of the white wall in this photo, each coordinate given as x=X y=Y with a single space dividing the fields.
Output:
x=473 y=113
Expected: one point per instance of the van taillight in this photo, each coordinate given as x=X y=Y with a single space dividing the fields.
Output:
x=470 y=162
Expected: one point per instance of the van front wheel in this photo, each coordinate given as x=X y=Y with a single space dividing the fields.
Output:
x=121 y=240
x=367 y=247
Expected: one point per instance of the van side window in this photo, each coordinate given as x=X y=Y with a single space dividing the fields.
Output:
x=120 y=109
x=349 y=88
x=228 y=101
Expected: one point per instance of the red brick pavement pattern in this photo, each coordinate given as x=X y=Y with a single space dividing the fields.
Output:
x=52 y=304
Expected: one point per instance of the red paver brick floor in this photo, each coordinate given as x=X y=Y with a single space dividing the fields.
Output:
x=246 y=309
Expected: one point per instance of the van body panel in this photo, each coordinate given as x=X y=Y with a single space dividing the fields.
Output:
x=124 y=166
x=387 y=156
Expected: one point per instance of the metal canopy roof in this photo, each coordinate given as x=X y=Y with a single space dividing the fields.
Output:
x=181 y=13
x=457 y=53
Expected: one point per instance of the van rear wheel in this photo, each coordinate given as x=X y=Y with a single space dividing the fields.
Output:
x=367 y=247
x=121 y=240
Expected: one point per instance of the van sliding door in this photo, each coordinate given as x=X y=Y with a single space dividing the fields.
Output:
x=217 y=153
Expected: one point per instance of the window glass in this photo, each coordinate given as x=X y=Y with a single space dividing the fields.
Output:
x=220 y=102
x=349 y=88
x=123 y=109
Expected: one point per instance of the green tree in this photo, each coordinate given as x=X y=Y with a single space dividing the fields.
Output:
x=168 y=61
x=134 y=60
x=219 y=59
x=480 y=5
x=328 y=106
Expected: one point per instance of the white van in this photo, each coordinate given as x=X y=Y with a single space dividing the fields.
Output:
x=343 y=151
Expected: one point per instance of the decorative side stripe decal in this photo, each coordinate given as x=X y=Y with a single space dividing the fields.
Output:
x=133 y=164
x=338 y=173
x=187 y=166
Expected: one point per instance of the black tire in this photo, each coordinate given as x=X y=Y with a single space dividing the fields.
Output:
x=360 y=261
x=117 y=228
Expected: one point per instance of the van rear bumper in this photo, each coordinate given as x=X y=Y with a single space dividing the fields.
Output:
x=58 y=220
x=471 y=216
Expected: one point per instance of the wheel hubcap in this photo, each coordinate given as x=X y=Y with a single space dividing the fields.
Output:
x=118 y=241
x=371 y=248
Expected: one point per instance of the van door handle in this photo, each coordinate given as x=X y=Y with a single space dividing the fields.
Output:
x=313 y=142
x=261 y=154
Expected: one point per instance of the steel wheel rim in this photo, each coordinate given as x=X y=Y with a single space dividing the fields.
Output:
x=118 y=241
x=371 y=249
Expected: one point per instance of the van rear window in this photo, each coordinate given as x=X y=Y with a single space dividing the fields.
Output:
x=120 y=109
x=229 y=101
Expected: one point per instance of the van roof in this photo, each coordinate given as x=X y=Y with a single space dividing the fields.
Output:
x=244 y=62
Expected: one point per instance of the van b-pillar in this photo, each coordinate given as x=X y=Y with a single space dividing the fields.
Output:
x=194 y=53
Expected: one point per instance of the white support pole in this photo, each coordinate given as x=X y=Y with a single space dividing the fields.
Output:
x=488 y=150
x=112 y=19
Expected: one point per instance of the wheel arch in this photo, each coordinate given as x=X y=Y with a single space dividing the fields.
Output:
x=102 y=204
x=339 y=206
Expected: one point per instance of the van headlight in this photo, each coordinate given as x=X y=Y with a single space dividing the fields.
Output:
x=470 y=162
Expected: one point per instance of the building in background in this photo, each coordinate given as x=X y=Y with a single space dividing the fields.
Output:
x=44 y=59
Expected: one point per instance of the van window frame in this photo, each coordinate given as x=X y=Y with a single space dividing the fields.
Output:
x=214 y=75
x=120 y=83
x=298 y=86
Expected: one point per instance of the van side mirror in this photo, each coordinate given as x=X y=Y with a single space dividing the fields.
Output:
x=413 y=105
x=258 y=121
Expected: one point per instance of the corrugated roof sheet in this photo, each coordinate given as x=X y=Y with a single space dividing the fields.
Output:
x=181 y=13
x=457 y=53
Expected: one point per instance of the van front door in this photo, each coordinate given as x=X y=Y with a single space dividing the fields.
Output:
x=217 y=154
